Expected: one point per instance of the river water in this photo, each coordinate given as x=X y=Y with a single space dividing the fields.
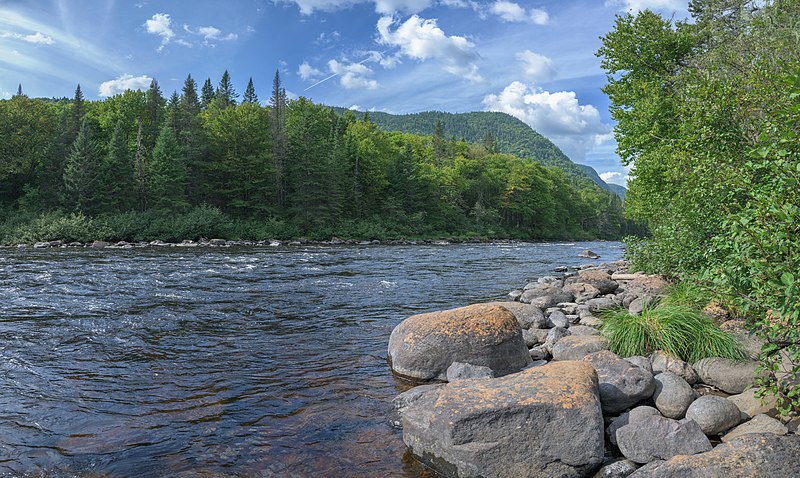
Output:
x=242 y=361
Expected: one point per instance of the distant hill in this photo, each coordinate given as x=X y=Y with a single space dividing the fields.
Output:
x=510 y=136
x=614 y=188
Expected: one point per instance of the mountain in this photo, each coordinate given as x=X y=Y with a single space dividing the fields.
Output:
x=510 y=135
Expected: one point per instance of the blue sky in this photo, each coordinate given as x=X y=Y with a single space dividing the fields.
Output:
x=532 y=59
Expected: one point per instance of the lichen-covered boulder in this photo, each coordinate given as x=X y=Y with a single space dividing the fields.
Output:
x=543 y=421
x=598 y=279
x=423 y=346
x=757 y=455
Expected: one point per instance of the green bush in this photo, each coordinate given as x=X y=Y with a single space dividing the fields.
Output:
x=677 y=329
x=54 y=226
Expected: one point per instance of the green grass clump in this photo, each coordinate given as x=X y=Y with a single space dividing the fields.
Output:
x=677 y=329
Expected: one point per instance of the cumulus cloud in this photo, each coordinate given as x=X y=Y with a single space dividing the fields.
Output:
x=210 y=34
x=124 y=83
x=308 y=72
x=161 y=24
x=354 y=108
x=613 y=177
x=422 y=39
x=513 y=12
x=537 y=67
x=353 y=76
x=573 y=127
x=639 y=5
x=37 y=38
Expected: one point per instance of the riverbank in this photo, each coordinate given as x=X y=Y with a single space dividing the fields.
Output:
x=647 y=415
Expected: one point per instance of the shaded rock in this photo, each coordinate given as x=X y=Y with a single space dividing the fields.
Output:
x=582 y=291
x=617 y=469
x=750 y=405
x=601 y=303
x=423 y=346
x=534 y=336
x=539 y=353
x=672 y=395
x=588 y=254
x=583 y=330
x=652 y=287
x=461 y=371
x=713 y=414
x=621 y=383
x=557 y=293
x=542 y=302
x=749 y=343
x=765 y=455
x=659 y=438
x=543 y=421
x=401 y=402
x=514 y=295
x=527 y=315
x=664 y=362
x=99 y=244
x=218 y=242
x=558 y=319
x=598 y=279
x=577 y=347
x=638 y=413
x=641 y=362
x=728 y=375
x=759 y=424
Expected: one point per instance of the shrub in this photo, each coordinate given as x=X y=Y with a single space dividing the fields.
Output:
x=53 y=226
x=677 y=329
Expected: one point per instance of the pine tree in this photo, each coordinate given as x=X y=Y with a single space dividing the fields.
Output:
x=81 y=172
x=207 y=94
x=155 y=114
x=168 y=174
x=279 y=141
x=76 y=117
x=19 y=91
x=225 y=92
x=250 y=93
x=117 y=175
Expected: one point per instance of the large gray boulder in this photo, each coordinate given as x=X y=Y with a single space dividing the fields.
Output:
x=543 y=421
x=731 y=376
x=528 y=316
x=622 y=384
x=423 y=346
x=664 y=362
x=598 y=279
x=582 y=291
x=758 y=455
x=672 y=395
x=659 y=438
x=759 y=424
x=633 y=416
x=714 y=414
x=534 y=336
x=557 y=293
x=648 y=288
x=576 y=347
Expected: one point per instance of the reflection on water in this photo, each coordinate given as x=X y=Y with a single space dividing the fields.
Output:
x=248 y=362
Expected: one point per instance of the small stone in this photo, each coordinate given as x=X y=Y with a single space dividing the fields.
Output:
x=601 y=303
x=583 y=330
x=618 y=469
x=582 y=291
x=672 y=395
x=588 y=254
x=558 y=319
x=713 y=414
x=534 y=336
x=577 y=347
x=664 y=362
x=461 y=371
x=527 y=315
x=514 y=295
x=41 y=245
x=555 y=335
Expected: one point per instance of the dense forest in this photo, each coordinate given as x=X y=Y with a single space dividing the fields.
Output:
x=708 y=115
x=139 y=166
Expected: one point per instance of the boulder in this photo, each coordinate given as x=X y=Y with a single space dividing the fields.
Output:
x=728 y=375
x=622 y=384
x=542 y=302
x=601 y=303
x=582 y=291
x=534 y=336
x=557 y=319
x=639 y=361
x=714 y=414
x=588 y=254
x=576 y=347
x=644 y=286
x=514 y=295
x=554 y=336
x=462 y=371
x=672 y=395
x=617 y=469
x=750 y=405
x=543 y=421
x=423 y=346
x=636 y=306
x=658 y=438
x=598 y=279
x=759 y=424
x=557 y=281
x=764 y=455
x=527 y=315
x=633 y=416
x=401 y=402
x=583 y=330
x=664 y=362
x=99 y=245
x=590 y=321
x=557 y=293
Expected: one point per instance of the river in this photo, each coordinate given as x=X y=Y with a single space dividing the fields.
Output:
x=252 y=361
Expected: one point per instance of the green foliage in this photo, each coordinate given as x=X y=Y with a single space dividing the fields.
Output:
x=677 y=329
x=55 y=226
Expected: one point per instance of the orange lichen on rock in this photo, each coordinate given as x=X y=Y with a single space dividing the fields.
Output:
x=485 y=321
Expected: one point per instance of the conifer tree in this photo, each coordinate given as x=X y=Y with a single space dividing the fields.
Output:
x=81 y=172
x=78 y=112
x=250 y=93
x=117 y=176
x=191 y=138
x=19 y=91
x=155 y=114
x=279 y=141
x=141 y=170
x=225 y=92
x=168 y=174
x=207 y=94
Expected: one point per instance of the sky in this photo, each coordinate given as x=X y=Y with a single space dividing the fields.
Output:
x=532 y=59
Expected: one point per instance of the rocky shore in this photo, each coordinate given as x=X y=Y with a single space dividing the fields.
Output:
x=528 y=388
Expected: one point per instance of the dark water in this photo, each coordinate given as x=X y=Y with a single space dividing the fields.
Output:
x=248 y=362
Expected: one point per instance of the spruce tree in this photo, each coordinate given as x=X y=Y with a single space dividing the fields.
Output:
x=141 y=170
x=192 y=140
x=19 y=91
x=154 y=102
x=207 y=94
x=250 y=93
x=81 y=172
x=279 y=141
x=225 y=92
x=168 y=174
x=76 y=117
x=117 y=176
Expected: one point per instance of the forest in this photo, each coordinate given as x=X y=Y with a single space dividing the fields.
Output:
x=708 y=116
x=203 y=163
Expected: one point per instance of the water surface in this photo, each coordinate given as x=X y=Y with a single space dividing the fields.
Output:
x=242 y=361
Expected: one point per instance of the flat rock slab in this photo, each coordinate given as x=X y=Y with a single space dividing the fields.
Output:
x=423 y=346
x=658 y=438
x=543 y=421
x=731 y=376
x=765 y=455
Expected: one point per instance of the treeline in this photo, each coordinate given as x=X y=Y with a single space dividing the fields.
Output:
x=139 y=166
x=708 y=115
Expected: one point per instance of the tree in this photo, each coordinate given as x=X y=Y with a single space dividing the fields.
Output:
x=250 y=93
x=168 y=174
x=278 y=102
x=81 y=172
x=19 y=91
x=226 y=95
x=141 y=170
x=117 y=173
x=192 y=140
x=154 y=105
x=207 y=94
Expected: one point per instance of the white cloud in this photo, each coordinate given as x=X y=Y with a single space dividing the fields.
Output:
x=123 y=83
x=559 y=116
x=37 y=38
x=537 y=67
x=354 y=108
x=613 y=177
x=353 y=76
x=639 y=5
x=160 y=24
x=513 y=12
x=308 y=72
x=387 y=7
x=4 y=95
x=213 y=33
x=422 y=39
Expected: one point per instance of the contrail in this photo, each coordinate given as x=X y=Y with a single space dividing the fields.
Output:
x=336 y=74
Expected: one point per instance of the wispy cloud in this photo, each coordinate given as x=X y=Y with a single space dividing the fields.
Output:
x=639 y=5
x=513 y=12
x=37 y=38
x=124 y=83
x=388 y=7
x=537 y=67
x=160 y=24
x=353 y=75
